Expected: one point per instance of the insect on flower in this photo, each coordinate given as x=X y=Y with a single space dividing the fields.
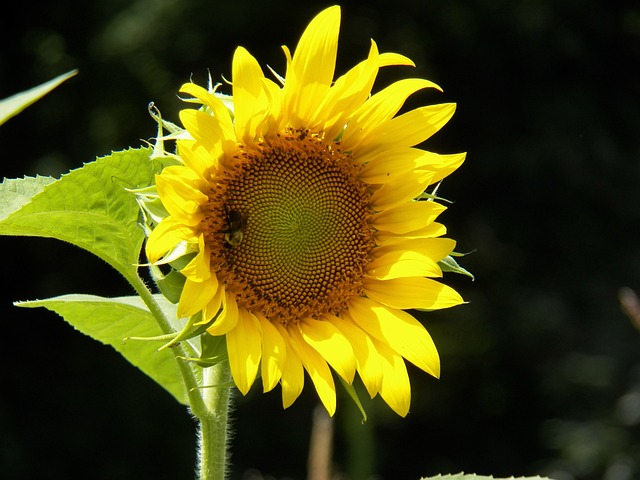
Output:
x=234 y=233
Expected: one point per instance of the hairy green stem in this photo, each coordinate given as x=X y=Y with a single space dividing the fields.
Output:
x=214 y=422
x=209 y=401
x=187 y=369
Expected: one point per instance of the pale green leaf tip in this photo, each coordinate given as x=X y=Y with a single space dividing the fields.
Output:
x=449 y=264
x=11 y=106
x=354 y=396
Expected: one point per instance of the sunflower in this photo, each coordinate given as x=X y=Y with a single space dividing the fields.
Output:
x=301 y=202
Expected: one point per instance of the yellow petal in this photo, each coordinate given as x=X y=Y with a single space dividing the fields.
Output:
x=167 y=234
x=195 y=295
x=395 y=389
x=329 y=342
x=220 y=112
x=198 y=158
x=382 y=165
x=435 y=248
x=274 y=354
x=403 y=263
x=347 y=93
x=228 y=317
x=180 y=193
x=407 y=217
x=409 y=129
x=292 y=380
x=399 y=330
x=206 y=130
x=202 y=127
x=401 y=189
x=249 y=98
x=379 y=165
x=244 y=345
x=275 y=121
x=316 y=367
x=380 y=108
x=389 y=58
x=212 y=308
x=199 y=268
x=177 y=173
x=367 y=358
x=351 y=90
x=443 y=165
x=311 y=70
x=412 y=292
x=432 y=230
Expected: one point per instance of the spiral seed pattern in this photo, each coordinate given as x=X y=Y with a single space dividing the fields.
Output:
x=306 y=235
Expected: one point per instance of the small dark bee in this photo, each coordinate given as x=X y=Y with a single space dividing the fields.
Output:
x=236 y=222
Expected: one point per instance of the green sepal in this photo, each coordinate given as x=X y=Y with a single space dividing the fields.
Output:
x=204 y=362
x=214 y=350
x=354 y=396
x=171 y=339
x=158 y=338
x=167 y=160
x=189 y=331
x=162 y=123
x=449 y=264
x=431 y=196
x=171 y=285
x=151 y=207
x=160 y=156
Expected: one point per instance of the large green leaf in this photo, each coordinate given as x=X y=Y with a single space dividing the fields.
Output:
x=18 y=192
x=13 y=105
x=110 y=321
x=89 y=207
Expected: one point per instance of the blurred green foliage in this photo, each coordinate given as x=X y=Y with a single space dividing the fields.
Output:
x=541 y=370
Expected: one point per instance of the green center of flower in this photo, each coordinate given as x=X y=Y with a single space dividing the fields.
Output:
x=288 y=227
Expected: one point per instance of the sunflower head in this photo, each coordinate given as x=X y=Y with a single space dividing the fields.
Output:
x=298 y=205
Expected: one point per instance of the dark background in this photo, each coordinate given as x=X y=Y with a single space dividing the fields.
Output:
x=541 y=370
